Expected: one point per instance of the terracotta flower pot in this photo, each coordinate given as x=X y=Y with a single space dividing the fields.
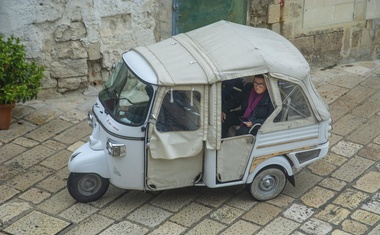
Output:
x=5 y=115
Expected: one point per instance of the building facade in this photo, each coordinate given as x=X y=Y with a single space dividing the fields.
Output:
x=79 y=40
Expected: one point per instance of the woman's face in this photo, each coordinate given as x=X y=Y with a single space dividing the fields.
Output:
x=259 y=85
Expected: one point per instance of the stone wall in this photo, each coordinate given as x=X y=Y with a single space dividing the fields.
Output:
x=79 y=40
x=327 y=32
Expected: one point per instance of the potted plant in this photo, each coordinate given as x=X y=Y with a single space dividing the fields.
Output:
x=20 y=80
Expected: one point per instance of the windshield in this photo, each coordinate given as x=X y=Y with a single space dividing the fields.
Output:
x=125 y=97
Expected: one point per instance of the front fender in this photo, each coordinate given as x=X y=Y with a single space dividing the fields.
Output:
x=87 y=160
x=274 y=161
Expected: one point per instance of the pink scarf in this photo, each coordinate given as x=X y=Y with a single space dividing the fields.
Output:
x=253 y=101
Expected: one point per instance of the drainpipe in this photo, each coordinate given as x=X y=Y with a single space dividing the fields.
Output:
x=282 y=3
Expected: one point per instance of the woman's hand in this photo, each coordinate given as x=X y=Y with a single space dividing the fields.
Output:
x=248 y=124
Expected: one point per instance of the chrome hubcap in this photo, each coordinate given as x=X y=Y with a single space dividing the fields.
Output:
x=268 y=183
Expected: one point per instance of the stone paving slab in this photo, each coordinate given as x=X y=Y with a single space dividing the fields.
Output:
x=337 y=195
x=37 y=223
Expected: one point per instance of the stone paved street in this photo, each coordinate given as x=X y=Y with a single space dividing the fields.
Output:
x=339 y=194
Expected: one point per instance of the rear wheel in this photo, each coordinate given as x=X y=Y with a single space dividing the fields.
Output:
x=86 y=187
x=267 y=184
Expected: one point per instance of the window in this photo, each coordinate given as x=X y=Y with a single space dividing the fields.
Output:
x=179 y=111
x=125 y=97
x=294 y=103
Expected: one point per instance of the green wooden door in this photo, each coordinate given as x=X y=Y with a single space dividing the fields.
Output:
x=192 y=14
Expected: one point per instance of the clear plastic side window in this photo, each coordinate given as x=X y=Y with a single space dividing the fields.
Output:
x=179 y=111
x=294 y=103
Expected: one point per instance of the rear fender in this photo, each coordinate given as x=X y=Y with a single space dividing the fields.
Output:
x=278 y=161
x=87 y=160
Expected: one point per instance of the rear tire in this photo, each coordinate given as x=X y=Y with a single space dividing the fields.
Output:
x=267 y=184
x=86 y=187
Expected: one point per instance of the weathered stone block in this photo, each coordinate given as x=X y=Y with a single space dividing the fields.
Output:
x=215 y=198
x=350 y=198
x=125 y=227
x=366 y=217
x=31 y=157
x=373 y=204
x=46 y=11
x=333 y=184
x=12 y=209
x=305 y=44
x=78 y=212
x=112 y=26
x=354 y=227
x=329 y=41
x=69 y=84
x=31 y=176
x=240 y=227
x=74 y=31
x=94 y=51
x=94 y=72
x=262 y=213
x=348 y=80
x=10 y=151
x=37 y=223
x=43 y=116
x=48 y=83
x=330 y=93
x=35 y=195
x=69 y=68
x=315 y=226
x=274 y=13
x=226 y=214
x=74 y=133
x=298 y=213
x=369 y=182
x=347 y=124
x=7 y=192
x=352 y=169
x=367 y=132
x=75 y=14
x=321 y=168
x=279 y=225
x=335 y=159
x=367 y=110
x=94 y=224
x=293 y=10
x=317 y=197
x=149 y=215
x=358 y=94
x=69 y=50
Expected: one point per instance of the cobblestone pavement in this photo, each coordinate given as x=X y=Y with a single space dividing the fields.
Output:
x=336 y=195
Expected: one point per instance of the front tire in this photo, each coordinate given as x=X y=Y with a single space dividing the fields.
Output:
x=267 y=184
x=86 y=187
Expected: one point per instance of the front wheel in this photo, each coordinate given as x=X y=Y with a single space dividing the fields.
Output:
x=267 y=184
x=86 y=187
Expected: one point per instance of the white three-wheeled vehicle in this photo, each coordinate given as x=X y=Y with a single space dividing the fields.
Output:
x=157 y=122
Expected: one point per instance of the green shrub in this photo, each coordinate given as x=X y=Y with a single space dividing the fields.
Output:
x=20 y=80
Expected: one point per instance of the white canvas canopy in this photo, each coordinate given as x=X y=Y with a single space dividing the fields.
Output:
x=225 y=50
x=222 y=51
